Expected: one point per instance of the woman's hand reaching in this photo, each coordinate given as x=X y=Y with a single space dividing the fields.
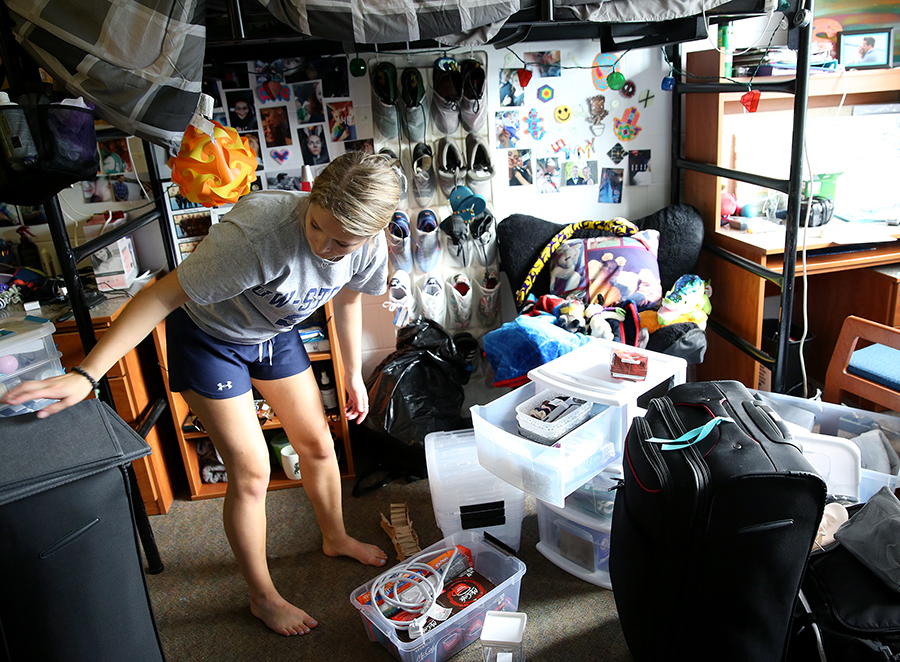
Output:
x=357 y=399
x=68 y=389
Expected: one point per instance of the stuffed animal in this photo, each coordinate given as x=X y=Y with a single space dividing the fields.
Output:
x=687 y=301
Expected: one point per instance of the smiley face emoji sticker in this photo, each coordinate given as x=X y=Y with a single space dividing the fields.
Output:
x=562 y=114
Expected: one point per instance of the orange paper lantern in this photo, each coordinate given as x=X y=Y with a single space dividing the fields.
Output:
x=213 y=172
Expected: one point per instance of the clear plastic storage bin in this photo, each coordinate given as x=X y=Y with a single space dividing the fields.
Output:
x=831 y=420
x=464 y=628
x=576 y=541
x=465 y=495
x=27 y=352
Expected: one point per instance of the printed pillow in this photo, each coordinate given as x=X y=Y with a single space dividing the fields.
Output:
x=607 y=270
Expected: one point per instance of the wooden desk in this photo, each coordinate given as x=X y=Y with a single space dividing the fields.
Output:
x=840 y=283
x=134 y=381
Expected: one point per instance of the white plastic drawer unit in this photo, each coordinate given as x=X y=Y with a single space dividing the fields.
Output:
x=27 y=352
x=552 y=472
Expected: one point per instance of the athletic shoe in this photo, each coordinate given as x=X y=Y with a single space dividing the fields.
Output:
x=459 y=298
x=483 y=230
x=400 y=299
x=450 y=166
x=385 y=107
x=480 y=168
x=397 y=167
x=472 y=105
x=400 y=242
x=428 y=242
x=432 y=299
x=413 y=103
x=447 y=90
x=456 y=241
x=468 y=347
x=423 y=175
x=489 y=300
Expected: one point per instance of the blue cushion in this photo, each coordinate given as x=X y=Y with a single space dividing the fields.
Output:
x=877 y=363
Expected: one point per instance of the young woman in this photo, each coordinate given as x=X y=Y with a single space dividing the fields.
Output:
x=230 y=309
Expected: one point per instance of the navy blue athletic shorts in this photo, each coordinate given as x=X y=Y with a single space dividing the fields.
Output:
x=220 y=370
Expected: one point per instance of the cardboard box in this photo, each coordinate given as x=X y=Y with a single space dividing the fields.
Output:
x=115 y=266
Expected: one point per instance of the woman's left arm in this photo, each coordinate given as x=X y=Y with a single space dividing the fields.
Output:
x=348 y=321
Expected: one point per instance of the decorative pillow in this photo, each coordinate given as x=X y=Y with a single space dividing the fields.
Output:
x=609 y=269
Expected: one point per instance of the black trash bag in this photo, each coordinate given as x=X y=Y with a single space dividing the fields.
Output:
x=416 y=390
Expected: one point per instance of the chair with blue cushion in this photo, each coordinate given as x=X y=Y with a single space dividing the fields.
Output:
x=871 y=373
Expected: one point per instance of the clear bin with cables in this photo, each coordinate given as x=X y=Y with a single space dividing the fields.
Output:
x=492 y=562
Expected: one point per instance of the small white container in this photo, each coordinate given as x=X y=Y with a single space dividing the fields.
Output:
x=547 y=433
x=290 y=462
x=501 y=636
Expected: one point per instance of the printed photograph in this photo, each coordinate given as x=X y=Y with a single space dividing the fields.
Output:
x=253 y=140
x=639 y=167
x=611 y=185
x=366 y=145
x=97 y=190
x=177 y=202
x=549 y=177
x=313 y=144
x=543 y=63
x=310 y=107
x=866 y=49
x=241 y=110
x=234 y=75
x=114 y=156
x=276 y=127
x=331 y=70
x=519 y=167
x=341 y=121
x=511 y=90
x=580 y=173
x=507 y=128
x=288 y=180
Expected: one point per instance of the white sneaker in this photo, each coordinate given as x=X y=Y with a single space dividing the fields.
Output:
x=400 y=299
x=480 y=170
x=432 y=299
x=489 y=300
x=483 y=229
x=459 y=296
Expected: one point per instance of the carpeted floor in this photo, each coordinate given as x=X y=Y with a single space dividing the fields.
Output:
x=202 y=611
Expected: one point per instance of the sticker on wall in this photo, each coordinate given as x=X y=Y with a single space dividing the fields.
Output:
x=646 y=98
x=639 y=167
x=604 y=64
x=586 y=150
x=534 y=125
x=597 y=109
x=617 y=153
x=559 y=147
x=280 y=155
x=611 y=185
x=545 y=93
x=628 y=89
x=562 y=114
x=626 y=128
x=614 y=103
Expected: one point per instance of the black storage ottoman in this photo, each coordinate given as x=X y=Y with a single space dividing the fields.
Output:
x=72 y=585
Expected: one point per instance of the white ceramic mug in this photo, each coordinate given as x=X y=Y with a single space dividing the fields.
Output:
x=290 y=462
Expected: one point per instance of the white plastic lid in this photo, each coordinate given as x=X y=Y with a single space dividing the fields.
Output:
x=4 y=98
x=503 y=628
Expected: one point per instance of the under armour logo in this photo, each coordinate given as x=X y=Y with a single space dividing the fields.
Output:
x=222 y=386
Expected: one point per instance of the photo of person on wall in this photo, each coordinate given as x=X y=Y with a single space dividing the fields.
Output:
x=341 y=121
x=241 y=110
x=313 y=144
x=276 y=128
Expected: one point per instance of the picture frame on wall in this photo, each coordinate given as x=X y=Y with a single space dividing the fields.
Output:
x=869 y=48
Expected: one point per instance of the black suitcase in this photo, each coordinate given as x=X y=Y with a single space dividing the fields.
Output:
x=709 y=542
x=846 y=613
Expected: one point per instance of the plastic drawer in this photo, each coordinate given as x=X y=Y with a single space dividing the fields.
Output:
x=576 y=542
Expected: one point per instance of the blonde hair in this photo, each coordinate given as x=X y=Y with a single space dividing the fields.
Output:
x=360 y=190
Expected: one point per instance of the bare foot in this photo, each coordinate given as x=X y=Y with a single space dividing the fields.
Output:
x=363 y=552
x=282 y=617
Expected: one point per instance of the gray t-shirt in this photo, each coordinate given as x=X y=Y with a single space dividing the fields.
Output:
x=254 y=275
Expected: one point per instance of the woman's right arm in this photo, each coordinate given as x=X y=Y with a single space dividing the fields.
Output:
x=138 y=319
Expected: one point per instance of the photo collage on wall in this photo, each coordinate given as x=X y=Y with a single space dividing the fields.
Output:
x=116 y=180
x=293 y=112
x=560 y=134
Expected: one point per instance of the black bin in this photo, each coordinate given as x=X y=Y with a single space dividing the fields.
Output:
x=793 y=375
x=72 y=585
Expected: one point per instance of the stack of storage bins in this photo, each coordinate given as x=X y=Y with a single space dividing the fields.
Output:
x=27 y=352
x=570 y=476
x=465 y=495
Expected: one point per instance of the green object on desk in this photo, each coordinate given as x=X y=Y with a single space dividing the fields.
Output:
x=827 y=185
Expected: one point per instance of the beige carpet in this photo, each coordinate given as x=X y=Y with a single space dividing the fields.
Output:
x=202 y=611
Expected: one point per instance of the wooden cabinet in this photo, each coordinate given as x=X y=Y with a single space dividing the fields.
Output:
x=134 y=384
x=187 y=441
x=738 y=294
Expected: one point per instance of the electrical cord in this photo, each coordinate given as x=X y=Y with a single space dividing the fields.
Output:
x=415 y=576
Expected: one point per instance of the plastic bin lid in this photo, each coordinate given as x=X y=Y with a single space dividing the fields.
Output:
x=584 y=373
x=503 y=628
x=38 y=454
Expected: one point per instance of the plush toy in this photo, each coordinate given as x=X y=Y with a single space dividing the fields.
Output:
x=729 y=204
x=687 y=301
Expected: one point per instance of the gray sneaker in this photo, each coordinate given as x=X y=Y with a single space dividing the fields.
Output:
x=489 y=299
x=447 y=90
x=423 y=175
x=385 y=99
x=414 y=104
x=451 y=168
x=483 y=229
x=397 y=167
x=480 y=168
x=472 y=104
x=457 y=244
